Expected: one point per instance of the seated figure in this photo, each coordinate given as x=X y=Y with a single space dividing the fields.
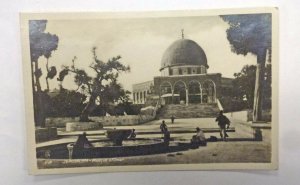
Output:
x=199 y=139
x=82 y=142
x=133 y=134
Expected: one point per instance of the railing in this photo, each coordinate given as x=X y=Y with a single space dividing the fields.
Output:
x=219 y=105
x=155 y=109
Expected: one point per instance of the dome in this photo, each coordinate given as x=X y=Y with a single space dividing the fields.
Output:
x=183 y=52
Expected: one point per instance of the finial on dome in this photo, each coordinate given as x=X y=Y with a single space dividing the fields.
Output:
x=182 y=34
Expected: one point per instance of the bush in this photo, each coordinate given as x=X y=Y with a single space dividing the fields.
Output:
x=64 y=104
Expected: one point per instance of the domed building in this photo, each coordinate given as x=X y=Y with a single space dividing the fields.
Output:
x=184 y=56
x=184 y=78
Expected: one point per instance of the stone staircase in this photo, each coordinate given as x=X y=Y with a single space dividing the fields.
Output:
x=189 y=111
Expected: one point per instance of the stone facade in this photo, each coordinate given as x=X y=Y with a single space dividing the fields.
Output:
x=140 y=91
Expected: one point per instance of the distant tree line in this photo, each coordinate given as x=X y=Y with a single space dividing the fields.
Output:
x=69 y=103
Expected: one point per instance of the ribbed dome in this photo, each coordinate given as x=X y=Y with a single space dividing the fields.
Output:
x=183 y=52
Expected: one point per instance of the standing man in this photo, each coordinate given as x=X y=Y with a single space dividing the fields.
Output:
x=172 y=118
x=163 y=127
x=167 y=136
x=222 y=122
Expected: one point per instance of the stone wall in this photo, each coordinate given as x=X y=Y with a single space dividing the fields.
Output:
x=123 y=120
x=82 y=126
x=105 y=120
x=206 y=110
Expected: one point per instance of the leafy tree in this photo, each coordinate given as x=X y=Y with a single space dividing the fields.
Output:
x=251 y=33
x=116 y=100
x=41 y=44
x=100 y=88
x=65 y=103
x=114 y=92
x=244 y=83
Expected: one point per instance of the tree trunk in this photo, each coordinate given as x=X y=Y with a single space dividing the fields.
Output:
x=47 y=83
x=84 y=116
x=259 y=85
x=39 y=112
x=35 y=107
x=32 y=77
x=47 y=67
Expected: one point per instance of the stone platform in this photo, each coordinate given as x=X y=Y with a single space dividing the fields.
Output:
x=189 y=111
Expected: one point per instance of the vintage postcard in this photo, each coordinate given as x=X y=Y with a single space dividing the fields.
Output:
x=148 y=91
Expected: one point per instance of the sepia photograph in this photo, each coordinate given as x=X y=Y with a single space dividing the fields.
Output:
x=150 y=91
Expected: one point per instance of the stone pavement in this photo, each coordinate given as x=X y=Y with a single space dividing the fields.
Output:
x=239 y=148
x=186 y=126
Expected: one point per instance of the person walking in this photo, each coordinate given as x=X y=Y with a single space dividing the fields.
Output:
x=223 y=123
x=163 y=127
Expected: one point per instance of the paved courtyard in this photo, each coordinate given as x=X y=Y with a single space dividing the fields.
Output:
x=149 y=130
x=239 y=148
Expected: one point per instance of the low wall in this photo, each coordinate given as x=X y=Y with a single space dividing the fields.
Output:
x=262 y=131
x=266 y=115
x=59 y=122
x=246 y=115
x=82 y=126
x=45 y=134
x=123 y=120
x=244 y=126
x=105 y=120
x=239 y=116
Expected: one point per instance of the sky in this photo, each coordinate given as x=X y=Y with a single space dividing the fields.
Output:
x=141 y=43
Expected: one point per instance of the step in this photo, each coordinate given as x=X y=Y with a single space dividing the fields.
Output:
x=189 y=111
